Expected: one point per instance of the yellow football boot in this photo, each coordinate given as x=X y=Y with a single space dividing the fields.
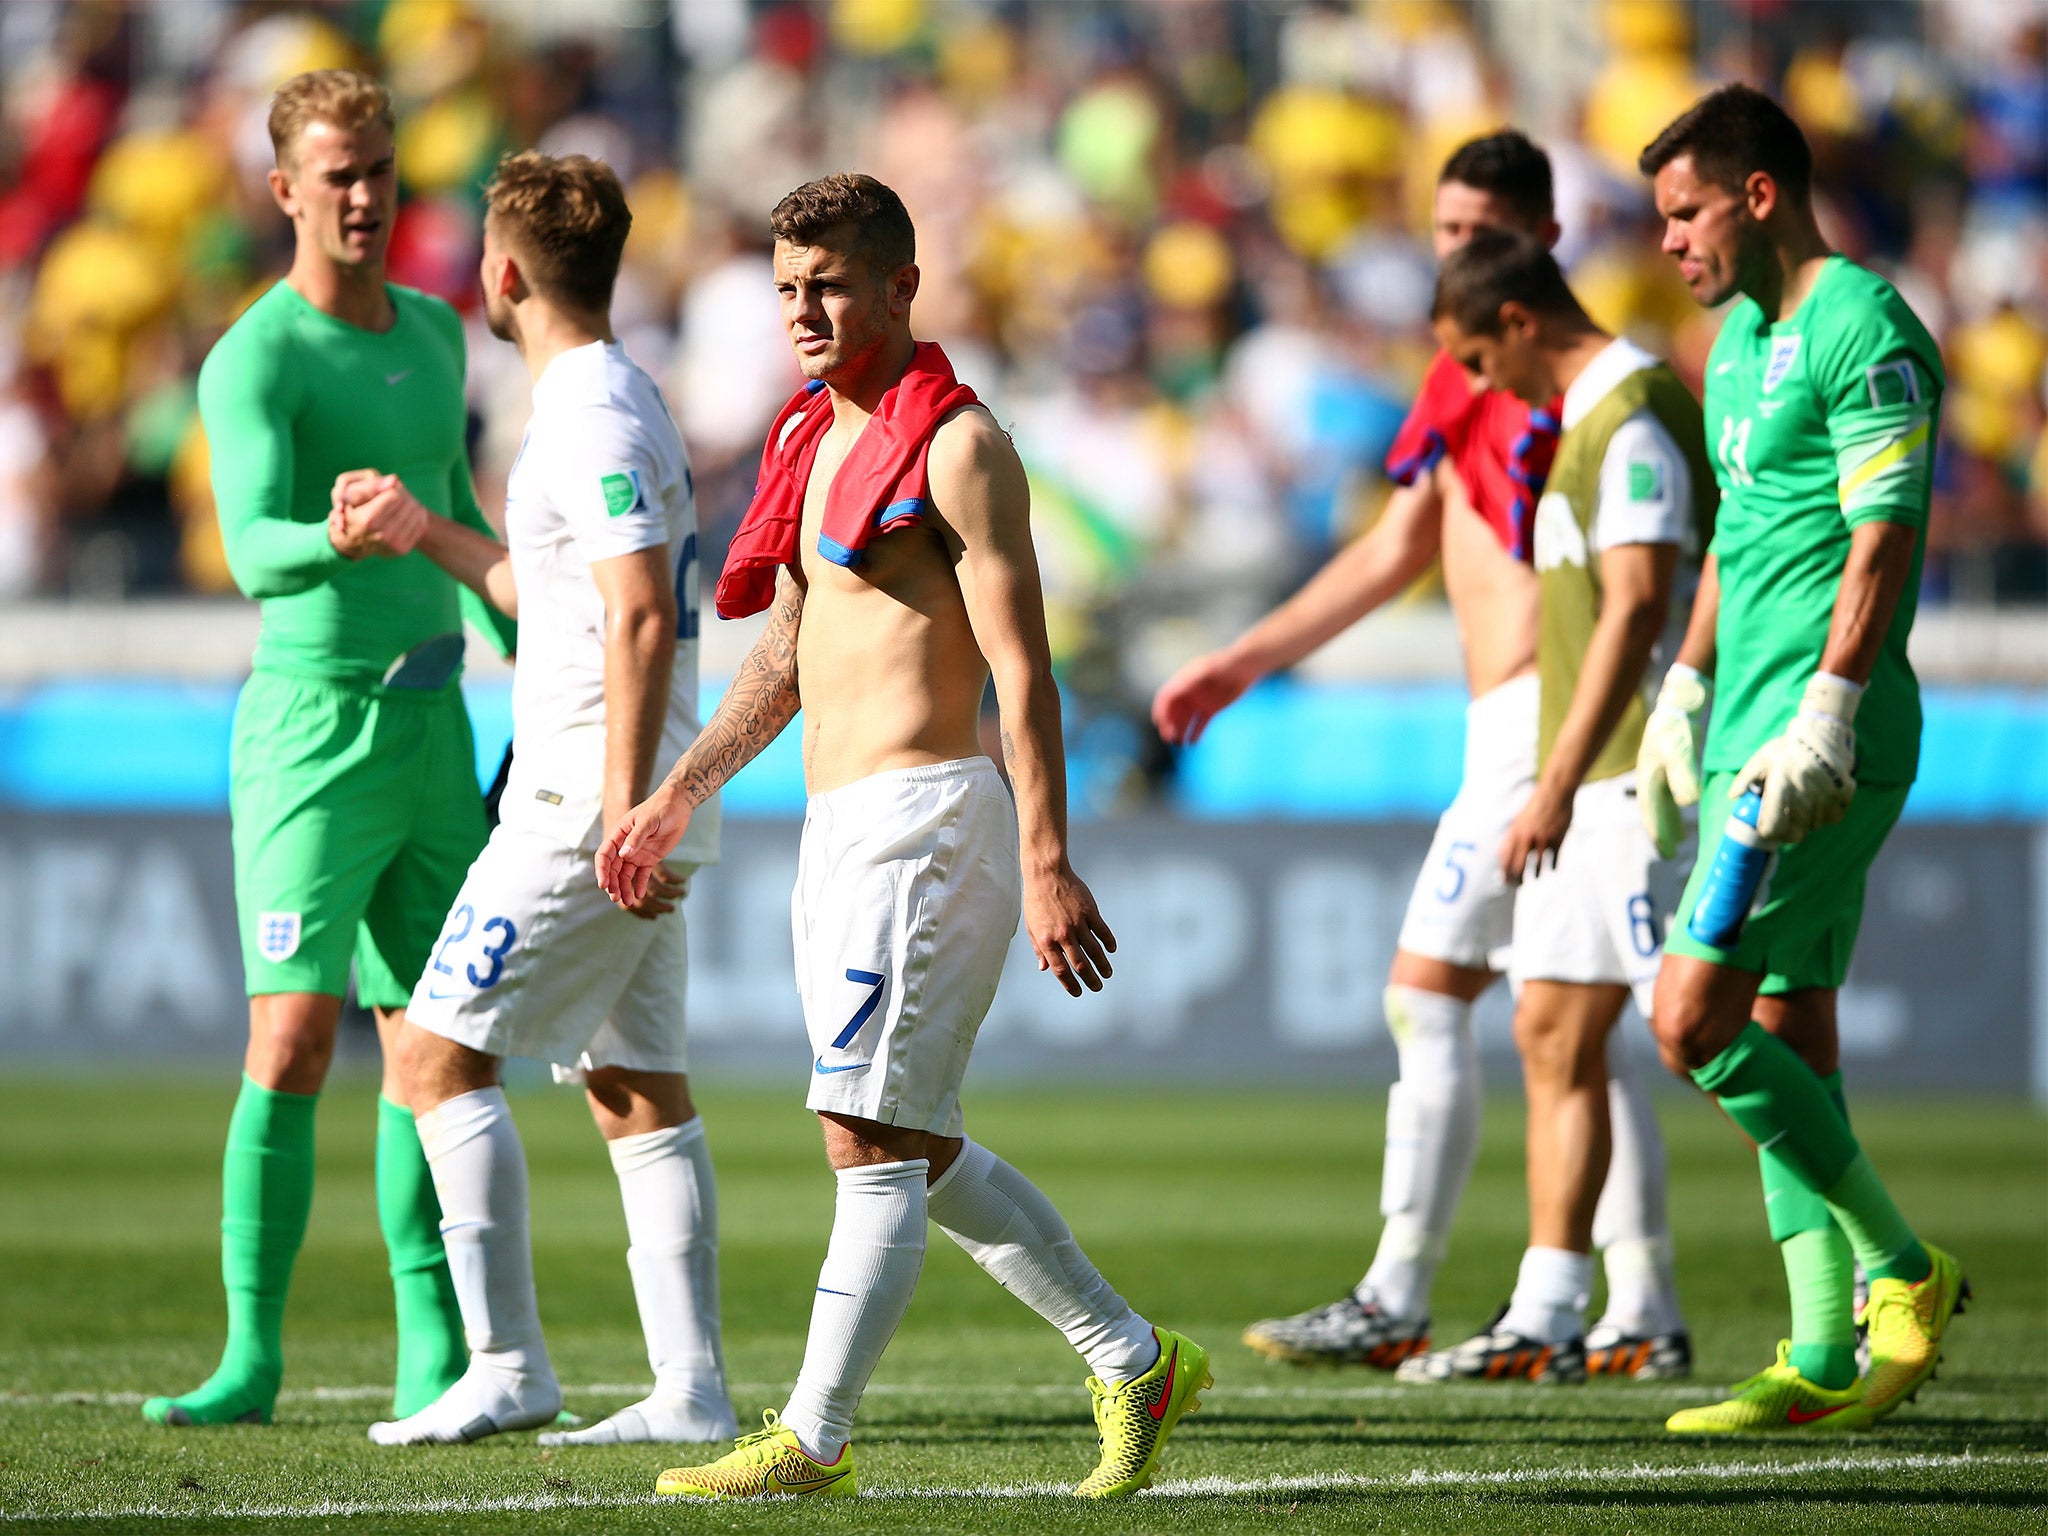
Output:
x=767 y=1462
x=1777 y=1397
x=1135 y=1418
x=1906 y=1325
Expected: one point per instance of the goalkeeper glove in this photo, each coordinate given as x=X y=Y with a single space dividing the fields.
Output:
x=1808 y=775
x=1667 y=763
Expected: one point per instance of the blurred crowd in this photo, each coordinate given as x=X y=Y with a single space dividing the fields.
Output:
x=1179 y=245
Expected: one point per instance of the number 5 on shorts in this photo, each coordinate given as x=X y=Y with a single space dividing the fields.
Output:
x=1450 y=884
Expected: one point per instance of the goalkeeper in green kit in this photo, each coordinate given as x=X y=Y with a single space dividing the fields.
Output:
x=353 y=782
x=1822 y=401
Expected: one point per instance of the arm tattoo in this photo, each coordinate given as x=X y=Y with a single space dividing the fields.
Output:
x=1009 y=751
x=763 y=699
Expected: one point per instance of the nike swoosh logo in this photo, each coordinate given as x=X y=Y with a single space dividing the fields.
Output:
x=809 y=1484
x=822 y=1070
x=399 y=377
x=1721 y=368
x=1158 y=1409
x=1774 y=1141
x=1798 y=1415
x=440 y=997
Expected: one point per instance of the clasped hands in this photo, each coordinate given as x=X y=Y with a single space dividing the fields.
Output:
x=372 y=513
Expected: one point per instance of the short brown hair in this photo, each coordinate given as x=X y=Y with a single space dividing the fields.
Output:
x=567 y=218
x=1496 y=267
x=883 y=234
x=341 y=97
x=1730 y=133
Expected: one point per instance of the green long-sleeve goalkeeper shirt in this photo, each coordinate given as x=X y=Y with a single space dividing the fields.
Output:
x=290 y=398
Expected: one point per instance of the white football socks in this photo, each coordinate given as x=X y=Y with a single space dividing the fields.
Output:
x=1432 y=1138
x=479 y=1172
x=1630 y=1225
x=671 y=1201
x=1010 y=1229
x=1550 y=1297
x=871 y=1269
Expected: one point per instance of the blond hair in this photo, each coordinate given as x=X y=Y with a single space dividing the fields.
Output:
x=340 y=97
x=566 y=218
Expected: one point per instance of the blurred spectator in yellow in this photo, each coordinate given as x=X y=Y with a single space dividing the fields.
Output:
x=1648 y=76
x=1332 y=156
x=871 y=28
x=1996 y=369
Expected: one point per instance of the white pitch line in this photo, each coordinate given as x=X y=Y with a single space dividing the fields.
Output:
x=1224 y=1395
x=637 y=1389
x=1636 y=1473
x=1417 y=1480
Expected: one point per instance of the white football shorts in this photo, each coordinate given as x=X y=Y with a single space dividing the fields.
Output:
x=534 y=960
x=1461 y=910
x=1600 y=915
x=908 y=890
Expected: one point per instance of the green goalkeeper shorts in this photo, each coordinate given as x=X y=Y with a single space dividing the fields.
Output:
x=356 y=815
x=1803 y=928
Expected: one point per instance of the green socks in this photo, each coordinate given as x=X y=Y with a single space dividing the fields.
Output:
x=1776 y=1098
x=1820 y=1272
x=266 y=1193
x=1877 y=1231
x=1790 y=1206
x=1821 y=1275
x=431 y=1352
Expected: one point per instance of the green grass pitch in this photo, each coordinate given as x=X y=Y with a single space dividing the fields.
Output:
x=1207 y=1208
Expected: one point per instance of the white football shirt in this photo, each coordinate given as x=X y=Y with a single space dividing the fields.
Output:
x=602 y=473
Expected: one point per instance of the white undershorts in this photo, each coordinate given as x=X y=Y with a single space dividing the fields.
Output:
x=1462 y=911
x=1600 y=915
x=534 y=960
x=907 y=893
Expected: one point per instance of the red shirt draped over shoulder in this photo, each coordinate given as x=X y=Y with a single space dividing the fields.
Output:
x=882 y=485
x=1500 y=448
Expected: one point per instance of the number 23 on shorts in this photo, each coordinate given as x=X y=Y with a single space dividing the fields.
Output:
x=498 y=935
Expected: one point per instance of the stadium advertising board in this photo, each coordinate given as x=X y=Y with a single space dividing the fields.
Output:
x=1247 y=950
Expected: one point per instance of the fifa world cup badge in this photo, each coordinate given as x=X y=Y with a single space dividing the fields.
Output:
x=277 y=935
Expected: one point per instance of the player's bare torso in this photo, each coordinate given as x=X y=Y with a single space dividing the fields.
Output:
x=888 y=670
x=1492 y=594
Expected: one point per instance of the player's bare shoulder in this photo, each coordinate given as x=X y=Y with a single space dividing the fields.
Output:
x=977 y=480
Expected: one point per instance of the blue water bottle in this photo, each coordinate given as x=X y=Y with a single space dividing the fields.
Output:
x=1731 y=885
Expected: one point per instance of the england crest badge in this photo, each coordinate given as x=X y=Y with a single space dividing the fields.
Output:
x=277 y=935
x=1784 y=352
